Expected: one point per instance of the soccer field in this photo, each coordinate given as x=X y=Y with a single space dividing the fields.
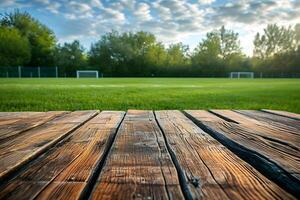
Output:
x=148 y=93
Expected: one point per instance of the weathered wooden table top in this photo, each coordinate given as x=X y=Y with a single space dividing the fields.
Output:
x=139 y=154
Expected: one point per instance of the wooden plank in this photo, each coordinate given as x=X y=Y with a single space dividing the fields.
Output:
x=63 y=171
x=283 y=113
x=75 y=117
x=138 y=165
x=274 y=120
x=7 y=118
x=16 y=115
x=274 y=132
x=211 y=170
x=20 y=150
x=17 y=123
x=275 y=160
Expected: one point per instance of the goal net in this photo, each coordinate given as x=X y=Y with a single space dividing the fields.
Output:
x=241 y=75
x=87 y=74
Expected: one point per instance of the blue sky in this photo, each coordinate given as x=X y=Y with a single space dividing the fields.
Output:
x=171 y=21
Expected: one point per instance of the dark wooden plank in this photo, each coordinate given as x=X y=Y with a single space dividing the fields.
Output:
x=283 y=113
x=278 y=161
x=211 y=170
x=274 y=120
x=64 y=170
x=20 y=150
x=138 y=165
x=274 y=132
x=14 y=124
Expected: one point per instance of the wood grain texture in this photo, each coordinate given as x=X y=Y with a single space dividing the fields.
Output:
x=12 y=125
x=278 y=161
x=63 y=172
x=16 y=115
x=211 y=170
x=269 y=131
x=20 y=150
x=138 y=165
x=283 y=113
x=274 y=120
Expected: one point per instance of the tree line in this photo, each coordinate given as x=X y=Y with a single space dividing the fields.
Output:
x=24 y=41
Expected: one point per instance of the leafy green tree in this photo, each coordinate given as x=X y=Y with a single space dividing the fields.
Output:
x=124 y=54
x=14 y=48
x=275 y=40
x=70 y=57
x=156 y=55
x=276 y=50
x=297 y=36
x=219 y=52
x=42 y=40
x=229 y=43
x=177 y=55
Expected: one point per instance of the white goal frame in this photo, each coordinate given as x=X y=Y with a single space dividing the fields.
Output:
x=241 y=73
x=87 y=71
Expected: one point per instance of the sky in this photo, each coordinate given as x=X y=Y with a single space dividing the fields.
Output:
x=172 y=21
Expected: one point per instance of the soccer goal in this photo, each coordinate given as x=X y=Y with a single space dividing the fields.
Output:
x=87 y=74
x=241 y=75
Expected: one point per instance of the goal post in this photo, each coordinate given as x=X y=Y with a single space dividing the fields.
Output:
x=241 y=75
x=87 y=74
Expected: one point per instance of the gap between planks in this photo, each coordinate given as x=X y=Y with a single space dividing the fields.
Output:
x=87 y=191
x=231 y=135
x=139 y=164
x=211 y=169
x=68 y=165
x=38 y=143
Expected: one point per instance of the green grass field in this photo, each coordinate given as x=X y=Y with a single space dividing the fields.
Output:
x=148 y=93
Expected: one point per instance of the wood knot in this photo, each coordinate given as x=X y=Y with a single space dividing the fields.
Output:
x=195 y=181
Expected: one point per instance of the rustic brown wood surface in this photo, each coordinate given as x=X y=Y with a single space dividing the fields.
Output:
x=20 y=122
x=21 y=149
x=139 y=165
x=68 y=165
x=219 y=173
x=283 y=113
x=267 y=130
x=275 y=120
x=278 y=159
x=217 y=154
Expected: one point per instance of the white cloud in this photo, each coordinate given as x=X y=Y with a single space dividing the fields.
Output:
x=110 y=15
x=169 y=20
x=79 y=7
x=206 y=1
x=54 y=7
x=41 y=1
x=124 y=4
x=96 y=4
x=142 y=12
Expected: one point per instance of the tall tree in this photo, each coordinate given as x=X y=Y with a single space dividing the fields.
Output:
x=275 y=40
x=123 y=54
x=220 y=51
x=276 y=50
x=42 y=40
x=177 y=55
x=297 y=36
x=70 y=57
x=14 y=48
x=229 y=43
